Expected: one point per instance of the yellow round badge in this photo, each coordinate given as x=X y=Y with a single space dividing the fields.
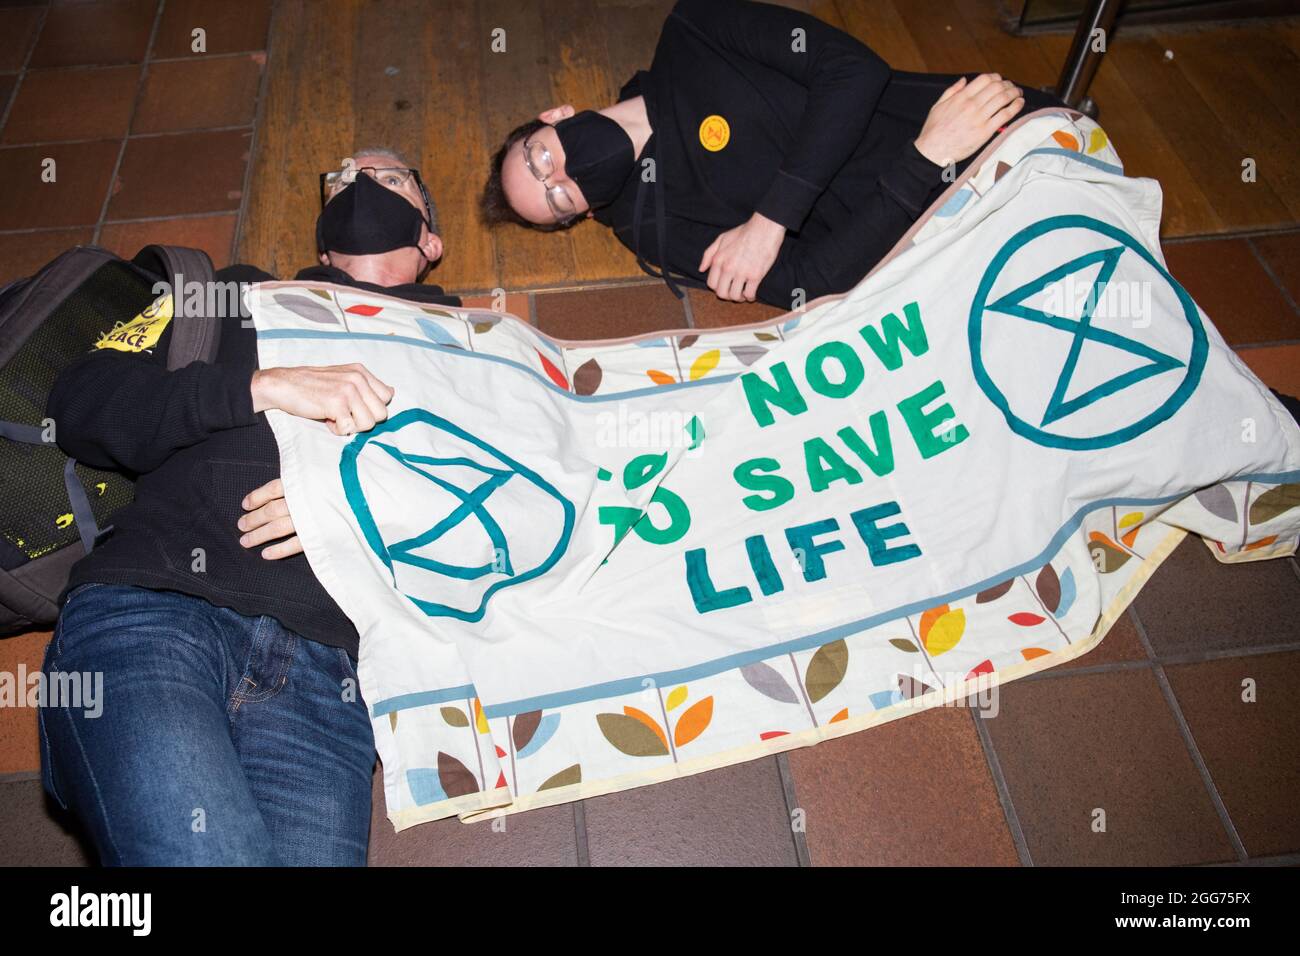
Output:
x=715 y=133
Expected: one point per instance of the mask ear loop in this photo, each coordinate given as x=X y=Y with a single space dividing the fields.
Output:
x=428 y=212
x=424 y=195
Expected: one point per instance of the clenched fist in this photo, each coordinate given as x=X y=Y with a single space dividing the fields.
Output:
x=346 y=397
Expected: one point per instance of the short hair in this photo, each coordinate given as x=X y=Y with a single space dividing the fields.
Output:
x=400 y=160
x=494 y=207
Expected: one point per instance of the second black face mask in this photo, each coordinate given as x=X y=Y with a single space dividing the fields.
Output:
x=366 y=219
x=598 y=155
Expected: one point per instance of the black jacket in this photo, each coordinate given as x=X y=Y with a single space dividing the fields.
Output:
x=193 y=443
x=820 y=140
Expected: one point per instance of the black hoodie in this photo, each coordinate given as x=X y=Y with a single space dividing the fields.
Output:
x=195 y=446
x=818 y=137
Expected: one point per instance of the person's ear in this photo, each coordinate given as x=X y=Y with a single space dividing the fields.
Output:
x=324 y=259
x=556 y=113
x=432 y=247
x=590 y=213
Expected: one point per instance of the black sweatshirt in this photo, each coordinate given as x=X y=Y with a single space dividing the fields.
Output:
x=820 y=138
x=195 y=446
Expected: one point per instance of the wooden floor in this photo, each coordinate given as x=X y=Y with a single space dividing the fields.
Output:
x=420 y=76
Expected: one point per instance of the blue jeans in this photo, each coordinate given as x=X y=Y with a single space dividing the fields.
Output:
x=220 y=739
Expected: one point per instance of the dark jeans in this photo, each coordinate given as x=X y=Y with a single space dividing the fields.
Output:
x=217 y=739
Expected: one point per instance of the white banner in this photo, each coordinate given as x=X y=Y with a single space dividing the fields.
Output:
x=546 y=531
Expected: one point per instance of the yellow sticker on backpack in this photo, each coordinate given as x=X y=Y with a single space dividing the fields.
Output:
x=142 y=332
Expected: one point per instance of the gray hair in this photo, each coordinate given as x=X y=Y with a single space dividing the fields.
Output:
x=400 y=160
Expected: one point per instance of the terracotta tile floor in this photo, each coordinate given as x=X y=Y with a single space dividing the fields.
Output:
x=152 y=143
x=73 y=103
x=150 y=139
x=97 y=32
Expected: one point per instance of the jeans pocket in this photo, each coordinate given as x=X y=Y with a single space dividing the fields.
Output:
x=78 y=596
x=81 y=589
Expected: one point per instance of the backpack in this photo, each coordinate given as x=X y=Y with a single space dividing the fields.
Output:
x=53 y=510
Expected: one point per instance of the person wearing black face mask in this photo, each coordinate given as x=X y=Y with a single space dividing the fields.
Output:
x=377 y=223
x=764 y=154
x=600 y=154
x=231 y=673
x=558 y=169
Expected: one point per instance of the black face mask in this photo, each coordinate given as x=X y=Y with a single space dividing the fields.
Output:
x=365 y=219
x=598 y=155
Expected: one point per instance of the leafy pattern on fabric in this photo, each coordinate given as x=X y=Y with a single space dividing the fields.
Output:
x=1274 y=502
x=586 y=380
x=633 y=736
x=307 y=309
x=826 y=670
x=765 y=679
x=567 y=777
x=942 y=628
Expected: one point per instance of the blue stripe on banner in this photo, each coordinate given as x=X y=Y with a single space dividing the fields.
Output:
x=422 y=699
x=463 y=353
x=632 y=685
x=1060 y=151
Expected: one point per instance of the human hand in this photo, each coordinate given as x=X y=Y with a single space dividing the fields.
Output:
x=738 y=259
x=267 y=519
x=966 y=115
x=556 y=113
x=346 y=397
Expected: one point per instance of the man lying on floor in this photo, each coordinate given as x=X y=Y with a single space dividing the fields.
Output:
x=763 y=153
x=236 y=732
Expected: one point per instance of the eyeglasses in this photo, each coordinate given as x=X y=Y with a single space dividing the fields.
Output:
x=538 y=160
x=392 y=177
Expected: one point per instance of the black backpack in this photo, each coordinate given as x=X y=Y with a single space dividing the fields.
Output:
x=54 y=510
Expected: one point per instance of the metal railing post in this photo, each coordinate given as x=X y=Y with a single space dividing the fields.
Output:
x=1084 y=58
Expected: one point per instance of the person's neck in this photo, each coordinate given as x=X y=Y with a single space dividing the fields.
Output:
x=631 y=115
x=386 y=269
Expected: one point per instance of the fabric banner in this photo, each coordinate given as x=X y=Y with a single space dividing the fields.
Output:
x=578 y=567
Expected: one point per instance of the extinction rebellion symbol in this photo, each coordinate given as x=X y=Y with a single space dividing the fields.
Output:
x=452 y=518
x=1091 y=353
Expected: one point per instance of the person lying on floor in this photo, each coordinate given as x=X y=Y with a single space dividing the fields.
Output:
x=764 y=153
x=234 y=732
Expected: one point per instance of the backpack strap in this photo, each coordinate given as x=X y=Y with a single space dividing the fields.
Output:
x=82 y=513
x=197 y=338
x=27 y=434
